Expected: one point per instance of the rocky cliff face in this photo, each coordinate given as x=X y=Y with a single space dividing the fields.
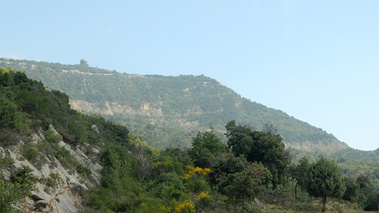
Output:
x=58 y=187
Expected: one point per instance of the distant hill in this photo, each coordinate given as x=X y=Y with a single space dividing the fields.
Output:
x=167 y=111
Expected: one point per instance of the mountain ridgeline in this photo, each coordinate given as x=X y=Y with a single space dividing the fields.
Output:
x=167 y=110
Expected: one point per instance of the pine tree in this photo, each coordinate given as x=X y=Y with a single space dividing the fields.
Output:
x=324 y=180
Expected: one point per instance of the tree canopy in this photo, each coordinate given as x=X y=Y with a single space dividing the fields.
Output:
x=298 y=173
x=324 y=180
x=259 y=146
x=205 y=147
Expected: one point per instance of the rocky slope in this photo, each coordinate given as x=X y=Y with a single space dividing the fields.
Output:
x=58 y=188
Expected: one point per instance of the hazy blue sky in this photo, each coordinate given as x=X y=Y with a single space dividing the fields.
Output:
x=315 y=60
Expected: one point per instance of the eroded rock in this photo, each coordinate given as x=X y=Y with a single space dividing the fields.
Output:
x=58 y=189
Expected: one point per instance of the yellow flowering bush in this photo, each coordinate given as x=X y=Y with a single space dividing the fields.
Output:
x=185 y=207
x=204 y=195
x=195 y=179
x=196 y=170
x=205 y=198
x=165 y=163
x=165 y=209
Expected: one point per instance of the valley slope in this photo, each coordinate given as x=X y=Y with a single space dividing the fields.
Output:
x=168 y=110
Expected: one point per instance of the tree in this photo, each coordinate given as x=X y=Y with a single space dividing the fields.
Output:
x=297 y=173
x=241 y=187
x=143 y=154
x=118 y=180
x=352 y=189
x=239 y=139
x=368 y=197
x=259 y=146
x=323 y=180
x=205 y=147
x=10 y=116
x=224 y=165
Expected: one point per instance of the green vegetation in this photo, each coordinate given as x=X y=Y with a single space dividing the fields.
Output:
x=168 y=111
x=10 y=193
x=205 y=148
x=27 y=107
x=18 y=188
x=323 y=179
x=259 y=146
x=354 y=154
x=297 y=173
x=83 y=171
x=253 y=168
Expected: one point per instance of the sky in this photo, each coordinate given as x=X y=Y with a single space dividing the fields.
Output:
x=317 y=61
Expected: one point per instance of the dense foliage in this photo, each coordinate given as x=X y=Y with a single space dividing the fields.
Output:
x=259 y=146
x=12 y=192
x=355 y=154
x=323 y=179
x=298 y=174
x=206 y=146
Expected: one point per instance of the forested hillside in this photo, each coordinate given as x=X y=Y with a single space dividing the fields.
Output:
x=168 y=110
x=51 y=156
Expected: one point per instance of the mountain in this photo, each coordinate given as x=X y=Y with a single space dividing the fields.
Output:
x=169 y=110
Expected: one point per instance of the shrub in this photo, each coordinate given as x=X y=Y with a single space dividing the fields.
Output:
x=23 y=176
x=195 y=179
x=83 y=171
x=4 y=159
x=205 y=198
x=53 y=180
x=47 y=148
x=30 y=152
x=186 y=206
x=9 y=137
x=52 y=137
x=64 y=157
x=10 y=193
